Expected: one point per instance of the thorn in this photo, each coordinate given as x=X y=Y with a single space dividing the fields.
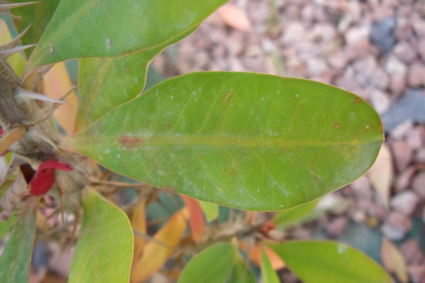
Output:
x=14 y=42
x=4 y=6
x=49 y=111
x=74 y=227
x=11 y=72
x=62 y=206
x=46 y=139
x=68 y=93
x=23 y=93
x=8 y=52
x=36 y=77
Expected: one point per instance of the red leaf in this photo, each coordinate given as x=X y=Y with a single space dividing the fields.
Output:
x=45 y=177
x=53 y=164
x=197 y=222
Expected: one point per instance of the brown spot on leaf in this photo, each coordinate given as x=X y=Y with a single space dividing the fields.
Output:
x=227 y=96
x=336 y=125
x=129 y=141
x=357 y=100
x=168 y=126
x=315 y=178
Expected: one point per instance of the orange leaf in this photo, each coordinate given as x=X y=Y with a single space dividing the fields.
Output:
x=11 y=137
x=138 y=222
x=158 y=250
x=196 y=222
x=255 y=256
x=235 y=17
x=393 y=260
x=57 y=83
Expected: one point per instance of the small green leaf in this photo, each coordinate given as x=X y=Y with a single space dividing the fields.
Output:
x=212 y=265
x=38 y=16
x=244 y=140
x=106 y=83
x=16 y=257
x=289 y=216
x=329 y=262
x=241 y=273
x=109 y=28
x=105 y=247
x=210 y=210
x=6 y=226
x=267 y=271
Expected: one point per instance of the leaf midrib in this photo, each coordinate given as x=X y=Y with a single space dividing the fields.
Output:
x=135 y=141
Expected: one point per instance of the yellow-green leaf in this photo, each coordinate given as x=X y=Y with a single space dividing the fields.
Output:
x=267 y=271
x=210 y=210
x=105 y=246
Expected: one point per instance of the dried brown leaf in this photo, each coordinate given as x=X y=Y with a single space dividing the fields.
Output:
x=393 y=260
x=381 y=174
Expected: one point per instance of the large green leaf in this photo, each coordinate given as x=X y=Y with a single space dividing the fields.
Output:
x=38 y=16
x=244 y=140
x=108 y=28
x=329 y=262
x=105 y=247
x=267 y=272
x=106 y=83
x=16 y=257
x=212 y=265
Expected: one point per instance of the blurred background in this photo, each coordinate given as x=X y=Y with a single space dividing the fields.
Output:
x=373 y=48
